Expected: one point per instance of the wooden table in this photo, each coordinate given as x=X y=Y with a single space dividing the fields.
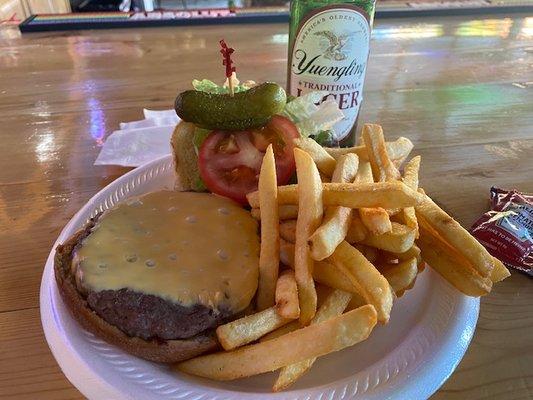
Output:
x=460 y=88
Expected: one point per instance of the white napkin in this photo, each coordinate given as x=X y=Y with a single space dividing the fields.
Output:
x=139 y=142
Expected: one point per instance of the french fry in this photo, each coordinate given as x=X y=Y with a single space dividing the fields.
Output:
x=285 y=211
x=287 y=230
x=357 y=232
x=435 y=219
x=375 y=219
x=287 y=296
x=451 y=266
x=364 y=173
x=324 y=272
x=329 y=275
x=400 y=276
x=372 y=286
x=398 y=150
x=398 y=162
x=409 y=219
x=398 y=215
x=333 y=306
x=324 y=178
x=247 y=329
x=394 y=212
x=337 y=219
x=323 y=293
x=286 y=253
x=400 y=239
x=384 y=194
x=283 y=330
x=382 y=167
x=387 y=256
x=370 y=253
x=410 y=172
x=356 y=302
x=326 y=337
x=324 y=162
x=346 y=169
x=499 y=272
x=333 y=231
x=381 y=194
x=410 y=178
x=269 y=253
x=310 y=212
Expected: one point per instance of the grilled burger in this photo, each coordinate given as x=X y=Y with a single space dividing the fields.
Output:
x=155 y=275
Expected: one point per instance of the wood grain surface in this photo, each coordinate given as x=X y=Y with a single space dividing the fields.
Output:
x=460 y=88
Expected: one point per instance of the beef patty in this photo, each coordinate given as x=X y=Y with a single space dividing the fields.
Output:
x=151 y=317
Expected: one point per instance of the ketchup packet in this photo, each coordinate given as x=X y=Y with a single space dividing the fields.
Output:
x=507 y=230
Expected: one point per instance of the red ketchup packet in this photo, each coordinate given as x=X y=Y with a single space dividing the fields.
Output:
x=507 y=230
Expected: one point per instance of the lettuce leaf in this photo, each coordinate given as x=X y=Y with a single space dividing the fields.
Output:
x=199 y=136
x=199 y=185
x=324 y=138
x=197 y=140
x=205 y=85
x=311 y=119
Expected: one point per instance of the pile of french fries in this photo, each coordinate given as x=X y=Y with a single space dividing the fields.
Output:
x=336 y=250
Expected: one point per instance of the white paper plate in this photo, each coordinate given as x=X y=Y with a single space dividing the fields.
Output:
x=409 y=358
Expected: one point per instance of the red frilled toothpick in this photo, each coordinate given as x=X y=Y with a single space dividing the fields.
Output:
x=228 y=62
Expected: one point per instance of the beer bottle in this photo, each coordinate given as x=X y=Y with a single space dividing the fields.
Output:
x=328 y=50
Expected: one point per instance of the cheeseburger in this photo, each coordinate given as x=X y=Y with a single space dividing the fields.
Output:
x=155 y=275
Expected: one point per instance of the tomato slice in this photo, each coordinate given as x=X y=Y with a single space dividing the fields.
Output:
x=230 y=162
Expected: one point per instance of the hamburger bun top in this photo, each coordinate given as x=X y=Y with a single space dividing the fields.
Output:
x=185 y=247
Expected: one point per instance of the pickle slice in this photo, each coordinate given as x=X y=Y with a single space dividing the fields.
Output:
x=245 y=110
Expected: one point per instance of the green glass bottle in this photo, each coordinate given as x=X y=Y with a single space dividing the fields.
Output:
x=329 y=42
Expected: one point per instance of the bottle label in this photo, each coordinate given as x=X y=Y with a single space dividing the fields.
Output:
x=330 y=53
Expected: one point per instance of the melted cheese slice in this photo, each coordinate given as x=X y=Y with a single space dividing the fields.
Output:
x=184 y=247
